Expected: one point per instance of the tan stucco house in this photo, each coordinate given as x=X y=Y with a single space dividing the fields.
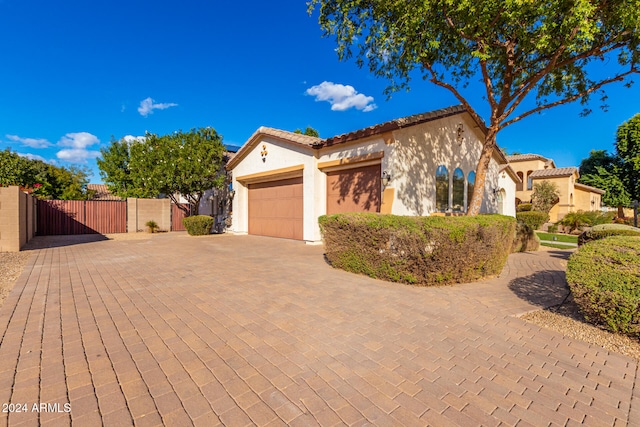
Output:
x=418 y=165
x=532 y=168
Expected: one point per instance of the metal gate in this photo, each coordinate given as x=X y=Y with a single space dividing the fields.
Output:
x=56 y=217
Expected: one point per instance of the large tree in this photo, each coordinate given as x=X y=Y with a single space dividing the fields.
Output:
x=617 y=174
x=43 y=180
x=179 y=164
x=519 y=49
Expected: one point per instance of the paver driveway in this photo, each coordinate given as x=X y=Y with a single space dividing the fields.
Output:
x=242 y=330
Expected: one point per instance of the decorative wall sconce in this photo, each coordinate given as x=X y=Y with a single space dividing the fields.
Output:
x=264 y=153
x=460 y=133
x=232 y=194
x=386 y=178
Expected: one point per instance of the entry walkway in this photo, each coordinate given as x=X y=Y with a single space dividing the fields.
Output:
x=243 y=330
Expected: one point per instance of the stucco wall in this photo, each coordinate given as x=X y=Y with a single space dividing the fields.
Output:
x=279 y=155
x=17 y=219
x=508 y=185
x=525 y=167
x=140 y=211
x=419 y=150
x=410 y=155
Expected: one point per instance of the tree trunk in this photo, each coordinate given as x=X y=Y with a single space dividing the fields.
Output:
x=481 y=171
x=620 y=211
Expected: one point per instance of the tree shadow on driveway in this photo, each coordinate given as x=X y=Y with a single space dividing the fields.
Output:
x=543 y=288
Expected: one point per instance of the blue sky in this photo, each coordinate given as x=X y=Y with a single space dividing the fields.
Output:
x=75 y=73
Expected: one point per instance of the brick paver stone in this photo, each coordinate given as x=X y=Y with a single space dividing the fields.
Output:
x=243 y=330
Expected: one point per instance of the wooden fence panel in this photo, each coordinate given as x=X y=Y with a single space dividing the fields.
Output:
x=106 y=217
x=177 y=215
x=64 y=217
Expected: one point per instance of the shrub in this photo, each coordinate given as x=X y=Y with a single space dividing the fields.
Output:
x=574 y=220
x=525 y=239
x=597 y=217
x=418 y=250
x=604 y=277
x=606 y=230
x=152 y=226
x=198 y=225
x=553 y=229
x=523 y=207
x=533 y=219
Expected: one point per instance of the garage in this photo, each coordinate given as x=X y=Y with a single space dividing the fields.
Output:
x=275 y=208
x=354 y=190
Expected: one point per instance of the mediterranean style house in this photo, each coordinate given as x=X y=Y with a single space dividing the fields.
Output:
x=418 y=165
x=532 y=168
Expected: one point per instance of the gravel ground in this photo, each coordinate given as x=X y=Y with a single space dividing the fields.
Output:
x=11 y=265
x=564 y=318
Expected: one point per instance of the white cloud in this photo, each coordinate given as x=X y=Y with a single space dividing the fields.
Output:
x=32 y=156
x=77 y=151
x=148 y=105
x=131 y=138
x=341 y=97
x=30 y=142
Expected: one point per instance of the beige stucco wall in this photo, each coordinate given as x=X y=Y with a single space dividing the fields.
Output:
x=419 y=150
x=410 y=155
x=526 y=167
x=140 y=211
x=17 y=219
x=507 y=205
x=566 y=197
x=583 y=199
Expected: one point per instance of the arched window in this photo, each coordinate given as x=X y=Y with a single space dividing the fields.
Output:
x=471 y=183
x=458 y=190
x=529 y=181
x=442 y=188
x=519 y=185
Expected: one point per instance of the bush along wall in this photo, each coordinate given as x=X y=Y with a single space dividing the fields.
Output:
x=604 y=277
x=533 y=219
x=422 y=251
x=198 y=225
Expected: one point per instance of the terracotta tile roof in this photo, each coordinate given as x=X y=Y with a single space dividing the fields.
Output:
x=554 y=173
x=395 y=124
x=589 y=188
x=525 y=157
x=102 y=192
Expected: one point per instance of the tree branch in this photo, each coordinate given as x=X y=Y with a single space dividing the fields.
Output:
x=434 y=79
x=619 y=77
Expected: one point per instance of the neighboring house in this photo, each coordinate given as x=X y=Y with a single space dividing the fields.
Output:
x=532 y=168
x=418 y=165
x=101 y=192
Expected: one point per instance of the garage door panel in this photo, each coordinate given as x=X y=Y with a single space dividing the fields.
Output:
x=354 y=190
x=276 y=208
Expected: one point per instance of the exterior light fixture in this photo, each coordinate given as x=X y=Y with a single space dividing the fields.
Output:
x=232 y=194
x=460 y=133
x=386 y=178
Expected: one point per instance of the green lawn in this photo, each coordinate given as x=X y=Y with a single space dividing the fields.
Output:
x=557 y=237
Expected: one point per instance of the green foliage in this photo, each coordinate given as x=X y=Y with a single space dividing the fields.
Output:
x=152 y=225
x=545 y=195
x=608 y=180
x=309 y=131
x=604 y=277
x=575 y=220
x=114 y=165
x=597 y=159
x=553 y=228
x=628 y=152
x=607 y=230
x=41 y=179
x=198 y=225
x=185 y=163
x=517 y=49
x=533 y=219
x=524 y=207
x=525 y=239
x=418 y=250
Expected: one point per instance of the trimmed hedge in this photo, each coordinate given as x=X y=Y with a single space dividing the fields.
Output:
x=525 y=239
x=198 y=225
x=533 y=219
x=607 y=230
x=604 y=277
x=418 y=250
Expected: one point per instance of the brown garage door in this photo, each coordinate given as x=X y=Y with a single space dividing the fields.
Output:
x=354 y=190
x=275 y=208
